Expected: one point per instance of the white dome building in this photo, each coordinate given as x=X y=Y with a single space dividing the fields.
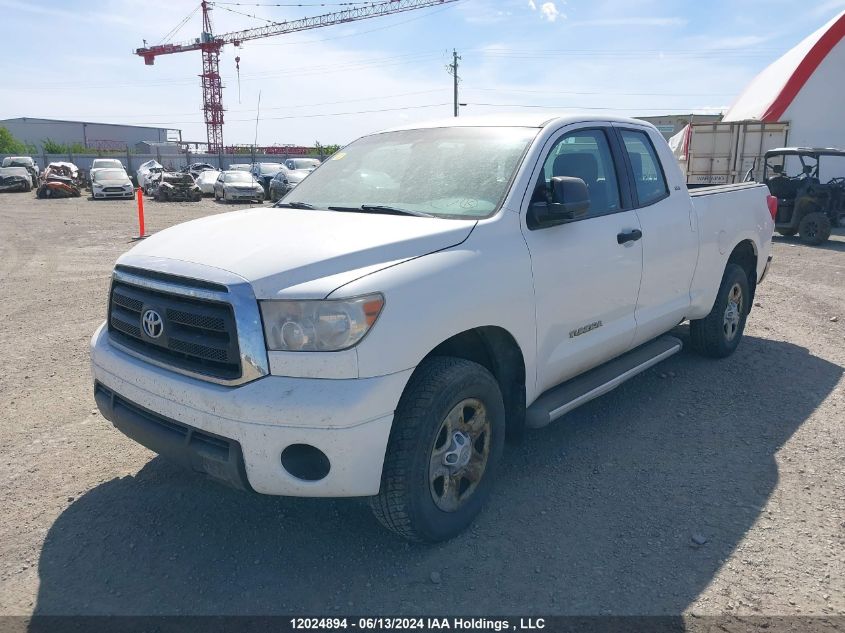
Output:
x=805 y=87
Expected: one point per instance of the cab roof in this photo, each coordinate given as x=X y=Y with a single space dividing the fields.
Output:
x=517 y=119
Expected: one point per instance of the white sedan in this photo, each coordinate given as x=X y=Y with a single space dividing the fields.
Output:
x=111 y=183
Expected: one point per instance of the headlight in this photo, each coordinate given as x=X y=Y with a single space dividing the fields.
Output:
x=319 y=326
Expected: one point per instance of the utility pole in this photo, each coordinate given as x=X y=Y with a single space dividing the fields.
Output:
x=453 y=70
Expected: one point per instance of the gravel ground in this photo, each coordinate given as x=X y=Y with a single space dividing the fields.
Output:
x=700 y=486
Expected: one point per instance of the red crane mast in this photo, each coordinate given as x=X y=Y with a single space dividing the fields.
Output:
x=210 y=45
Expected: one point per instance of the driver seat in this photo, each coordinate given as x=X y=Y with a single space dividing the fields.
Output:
x=583 y=165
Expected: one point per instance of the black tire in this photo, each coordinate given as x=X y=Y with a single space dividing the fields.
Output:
x=787 y=232
x=814 y=228
x=406 y=502
x=713 y=335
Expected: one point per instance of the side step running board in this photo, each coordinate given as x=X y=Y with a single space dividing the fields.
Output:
x=562 y=399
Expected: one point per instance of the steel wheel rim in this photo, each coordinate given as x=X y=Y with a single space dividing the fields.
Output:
x=459 y=455
x=733 y=312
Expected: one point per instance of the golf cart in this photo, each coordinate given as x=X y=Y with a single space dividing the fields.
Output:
x=809 y=184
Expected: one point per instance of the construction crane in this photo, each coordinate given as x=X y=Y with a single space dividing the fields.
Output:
x=211 y=44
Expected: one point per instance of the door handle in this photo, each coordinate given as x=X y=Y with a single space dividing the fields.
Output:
x=629 y=236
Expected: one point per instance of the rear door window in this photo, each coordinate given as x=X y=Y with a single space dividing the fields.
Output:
x=649 y=180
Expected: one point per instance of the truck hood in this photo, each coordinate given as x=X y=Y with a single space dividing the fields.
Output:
x=293 y=253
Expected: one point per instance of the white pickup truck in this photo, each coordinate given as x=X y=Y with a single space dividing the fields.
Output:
x=423 y=294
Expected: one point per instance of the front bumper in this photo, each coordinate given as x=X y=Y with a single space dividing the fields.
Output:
x=230 y=194
x=122 y=195
x=237 y=434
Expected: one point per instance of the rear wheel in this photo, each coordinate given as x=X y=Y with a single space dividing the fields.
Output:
x=814 y=228
x=718 y=334
x=445 y=444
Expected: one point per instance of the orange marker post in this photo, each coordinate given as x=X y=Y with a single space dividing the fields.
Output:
x=141 y=229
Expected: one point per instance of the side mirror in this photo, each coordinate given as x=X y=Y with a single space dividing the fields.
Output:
x=571 y=201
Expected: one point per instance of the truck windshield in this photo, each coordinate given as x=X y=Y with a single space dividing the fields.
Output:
x=445 y=172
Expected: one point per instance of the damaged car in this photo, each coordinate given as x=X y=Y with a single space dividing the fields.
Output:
x=206 y=180
x=15 y=179
x=145 y=174
x=27 y=163
x=59 y=180
x=195 y=169
x=174 y=186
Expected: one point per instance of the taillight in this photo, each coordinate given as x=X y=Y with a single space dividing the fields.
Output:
x=772 y=201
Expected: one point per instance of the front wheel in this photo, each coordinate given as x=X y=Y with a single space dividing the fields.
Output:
x=445 y=445
x=814 y=228
x=718 y=334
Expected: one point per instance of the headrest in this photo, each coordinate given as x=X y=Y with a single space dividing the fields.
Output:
x=577 y=165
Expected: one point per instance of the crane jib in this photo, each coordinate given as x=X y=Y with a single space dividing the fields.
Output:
x=210 y=45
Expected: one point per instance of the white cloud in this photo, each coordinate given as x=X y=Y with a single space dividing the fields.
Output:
x=550 y=11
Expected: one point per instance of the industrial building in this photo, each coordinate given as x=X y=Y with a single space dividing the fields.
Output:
x=94 y=135
x=670 y=124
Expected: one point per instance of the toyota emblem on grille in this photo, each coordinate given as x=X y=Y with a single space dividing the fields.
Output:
x=152 y=323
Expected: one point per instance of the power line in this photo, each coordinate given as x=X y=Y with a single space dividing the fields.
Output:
x=246 y=110
x=375 y=62
x=309 y=116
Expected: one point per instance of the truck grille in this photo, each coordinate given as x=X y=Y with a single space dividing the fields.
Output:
x=197 y=335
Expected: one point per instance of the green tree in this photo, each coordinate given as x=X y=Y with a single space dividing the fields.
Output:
x=9 y=144
x=52 y=147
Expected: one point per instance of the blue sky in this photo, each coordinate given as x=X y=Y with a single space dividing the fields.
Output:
x=74 y=60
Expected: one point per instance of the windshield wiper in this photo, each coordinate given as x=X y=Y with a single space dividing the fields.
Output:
x=382 y=208
x=294 y=205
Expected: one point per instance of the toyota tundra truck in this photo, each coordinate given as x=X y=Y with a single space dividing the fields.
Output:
x=423 y=295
